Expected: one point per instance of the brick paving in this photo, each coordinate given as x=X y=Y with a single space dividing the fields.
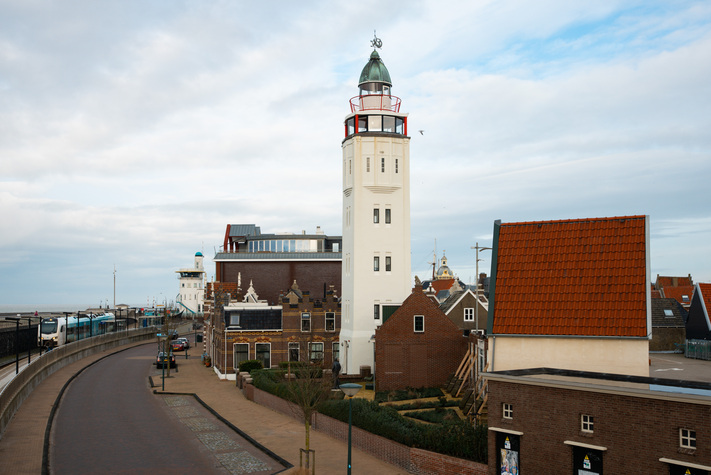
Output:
x=21 y=447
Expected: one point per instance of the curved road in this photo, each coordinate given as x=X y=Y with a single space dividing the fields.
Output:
x=109 y=421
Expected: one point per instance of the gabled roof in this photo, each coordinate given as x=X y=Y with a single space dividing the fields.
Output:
x=705 y=296
x=667 y=313
x=581 y=277
x=682 y=293
x=673 y=281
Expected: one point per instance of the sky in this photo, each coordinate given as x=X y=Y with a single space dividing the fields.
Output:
x=133 y=132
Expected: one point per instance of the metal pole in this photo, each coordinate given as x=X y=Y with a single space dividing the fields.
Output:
x=17 y=345
x=29 y=340
x=350 y=423
x=163 y=365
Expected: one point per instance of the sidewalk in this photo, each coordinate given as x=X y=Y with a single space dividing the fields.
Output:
x=21 y=447
x=281 y=434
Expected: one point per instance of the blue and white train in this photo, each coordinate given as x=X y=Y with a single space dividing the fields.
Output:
x=57 y=331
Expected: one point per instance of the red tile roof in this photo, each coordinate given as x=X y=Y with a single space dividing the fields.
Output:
x=678 y=293
x=582 y=277
x=706 y=294
x=670 y=281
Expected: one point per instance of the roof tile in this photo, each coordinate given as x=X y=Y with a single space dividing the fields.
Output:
x=572 y=277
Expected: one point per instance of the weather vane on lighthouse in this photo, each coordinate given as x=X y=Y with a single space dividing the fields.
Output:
x=376 y=42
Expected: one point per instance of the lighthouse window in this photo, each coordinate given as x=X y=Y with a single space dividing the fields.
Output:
x=362 y=124
x=387 y=215
x=399 y=126
x=367 y=164
x=376 y=264
x=350 y=126
x=396 y=165
x=382 y=165
x=388 y=124
x=376 y=215
x=375 y=123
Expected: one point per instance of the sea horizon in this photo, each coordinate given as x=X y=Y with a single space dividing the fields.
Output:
x=48 y=308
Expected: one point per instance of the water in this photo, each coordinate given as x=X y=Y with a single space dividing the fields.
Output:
x=9 y=309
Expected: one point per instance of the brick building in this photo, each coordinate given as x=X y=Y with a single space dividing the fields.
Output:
x=668 y=325
x=243 y=327
x=560 y=421
x=272 y=262
x=418 y=346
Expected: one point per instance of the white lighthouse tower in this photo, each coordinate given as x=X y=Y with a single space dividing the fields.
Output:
x=192 y=287
x=376 y=213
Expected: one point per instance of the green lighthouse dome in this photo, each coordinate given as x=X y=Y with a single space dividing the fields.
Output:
x=374 y=72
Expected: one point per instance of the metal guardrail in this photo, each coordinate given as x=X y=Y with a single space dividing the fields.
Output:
x=698 y=349
x=19 y=389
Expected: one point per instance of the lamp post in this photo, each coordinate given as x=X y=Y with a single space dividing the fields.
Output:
x=476 y=307
x=350 y=390
x=163 y=339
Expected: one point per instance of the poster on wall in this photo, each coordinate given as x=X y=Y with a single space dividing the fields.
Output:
x=587 y=461
x=683 y=470
x=507 y=453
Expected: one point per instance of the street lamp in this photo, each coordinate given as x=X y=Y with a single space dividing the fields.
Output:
x=476 y=307
x=350 y=390
x=163 y=339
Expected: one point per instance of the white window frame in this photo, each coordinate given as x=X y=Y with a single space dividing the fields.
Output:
x=414 y=323
x=507 y=411
x=296 y=346
x=469 y=314
x=330 y=316
x=235 y=363
x=376 y=215
x=312 y=345
x=587 y=423
x=687 y=438
x=305 y=317
x=376 y=263
x=256 y=354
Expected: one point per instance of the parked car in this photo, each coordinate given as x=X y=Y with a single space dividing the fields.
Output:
x=164 y=358
x=177 y=345
x=185 y=342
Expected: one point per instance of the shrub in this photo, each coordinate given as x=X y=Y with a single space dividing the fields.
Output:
x=409 y=393
x=457 y=438
x=250 y=365
x=437 y=416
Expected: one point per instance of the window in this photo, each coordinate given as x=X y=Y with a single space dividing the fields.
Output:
x=293 y=352
x=330 y=321
x=685 y=298
x=350 y=167
x=687 y=439
x=305 y=322
x=335 y=347
x=241 y=353
x=586 y=423
x=387 y=215
x=382 y=165
x=376 y=264
x=263 y=351
x=668 y=312
x=469 y=314
x=396 y=167
x=507 y=411
x=419 y=323
x=316 y=352
x=388 y=265
x=376 y=311
x=376 y=215
x=367 y=164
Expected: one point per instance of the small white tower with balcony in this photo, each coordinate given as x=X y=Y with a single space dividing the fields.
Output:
x=376 y=213
x=190 y=296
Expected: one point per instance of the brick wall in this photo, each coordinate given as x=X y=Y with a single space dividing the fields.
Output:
x=408 y=359
x=413 y=460
x=637 y=431
x=271 y=279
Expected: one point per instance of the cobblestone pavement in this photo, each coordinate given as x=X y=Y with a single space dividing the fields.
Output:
x=234 y=453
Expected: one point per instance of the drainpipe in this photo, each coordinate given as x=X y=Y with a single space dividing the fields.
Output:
x=493 y=351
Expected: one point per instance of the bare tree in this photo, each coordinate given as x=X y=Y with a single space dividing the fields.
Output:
x=307 y=385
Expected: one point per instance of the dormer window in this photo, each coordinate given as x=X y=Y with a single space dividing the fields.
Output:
x=685 y=298
x=668 y=313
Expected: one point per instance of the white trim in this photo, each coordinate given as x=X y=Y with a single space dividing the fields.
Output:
x=468 y=291
x=586 y=446
x=685 y=464
x=414 y=323
x=505 y=431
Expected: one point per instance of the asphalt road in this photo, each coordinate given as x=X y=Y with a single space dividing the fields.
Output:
x=109 y=421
